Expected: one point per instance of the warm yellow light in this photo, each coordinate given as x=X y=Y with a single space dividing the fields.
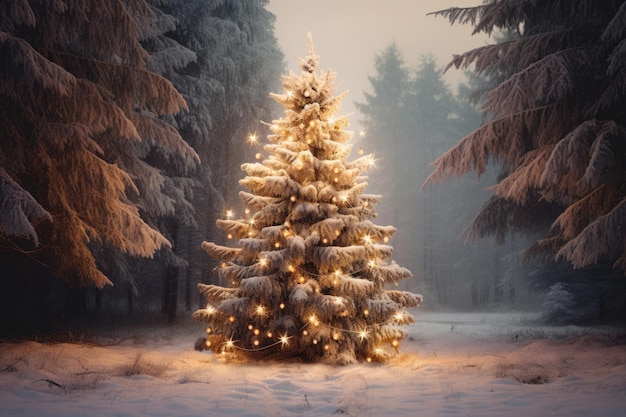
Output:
x=277 y=245
x=230 y=344
x=250 y=327
x=343 y=197
x=337 y=272
x=293 y=198
x=229 y=214
x=291 y=268
x=258 y=156
x=369 y=359
x=312 y=123
x=210 y=309
x=394 y=343
x=386 y=239
x=207 y=344
x=269 y=334
x=260 y=310
x=263 y=262
x=315 y=341
x=230 y=236
x=361 y=133
x=335 y=336
x=366 y=312
x=231 y=319
x=247 y=211
x=378 y=351
x=367 y=239
x=301 y=279
x=284 y=340
x=363 y=334
x=336 y=170
x=305 y=333
x=399 y=316
x=256 y=332
x=324 y=241
x=289 y=93
x=252 y=138
x=256 y=343
x=282 y=306
x=371 y=263
x=326 y=347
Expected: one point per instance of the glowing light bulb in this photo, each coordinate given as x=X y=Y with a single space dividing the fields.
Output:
x=263 y=262
x=230 y=236
x=284 y=340
x=367 y=239
x=256 y=342
x=231 y=319
x=282 y=306
x=277 y=245
x=305 y=333
x=260 y=310
x=257 y=332
x=229 y=214
x=210 y=310
x=324 y=241
x=363 y=334
x=398 y=316
x=335 y=336
x=230 y=344
x=362 y=133
x=250 y=327
x=386 y=239
x=394 y=343
x=258 y=156
x=252 y=138
x=366 y=312
x=293 y=198
x=269 y=334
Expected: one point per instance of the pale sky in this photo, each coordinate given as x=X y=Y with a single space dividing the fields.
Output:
x=347 y=35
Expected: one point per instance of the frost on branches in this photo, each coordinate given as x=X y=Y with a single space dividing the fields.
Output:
x=310 y=268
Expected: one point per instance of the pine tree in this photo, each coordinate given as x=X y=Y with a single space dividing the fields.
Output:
x=80 y=121
x=555 y=123
x=309 y=271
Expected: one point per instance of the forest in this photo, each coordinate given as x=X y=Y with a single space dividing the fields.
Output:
x=119 y=150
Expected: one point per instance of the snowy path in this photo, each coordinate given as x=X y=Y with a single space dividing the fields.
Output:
x=477 y=368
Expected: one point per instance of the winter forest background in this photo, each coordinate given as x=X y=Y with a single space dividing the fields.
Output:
x=124 y=128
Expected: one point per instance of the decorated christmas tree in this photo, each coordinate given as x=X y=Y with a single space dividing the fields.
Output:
x=309 y=271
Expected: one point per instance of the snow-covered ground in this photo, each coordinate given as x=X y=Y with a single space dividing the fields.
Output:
x=452 y=365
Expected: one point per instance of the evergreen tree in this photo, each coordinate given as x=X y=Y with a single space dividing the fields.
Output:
x=309 y=271
x=555 y=123
x=78 y=111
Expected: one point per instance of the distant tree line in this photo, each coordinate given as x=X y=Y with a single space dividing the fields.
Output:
x=121 y=124
x=411 y=116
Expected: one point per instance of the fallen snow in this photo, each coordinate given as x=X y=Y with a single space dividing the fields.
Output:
x=452 y=365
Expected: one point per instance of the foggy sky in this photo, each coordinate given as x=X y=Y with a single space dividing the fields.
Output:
x=347 y=35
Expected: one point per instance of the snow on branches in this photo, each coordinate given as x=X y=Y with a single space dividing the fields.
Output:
x=309 y=272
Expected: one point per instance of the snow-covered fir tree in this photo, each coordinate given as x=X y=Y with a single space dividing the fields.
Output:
x=555 y=122
x=308 y=274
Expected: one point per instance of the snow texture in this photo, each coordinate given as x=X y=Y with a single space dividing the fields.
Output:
x=488 y=365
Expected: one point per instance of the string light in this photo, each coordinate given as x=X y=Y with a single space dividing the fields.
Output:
x=252 y=138
x=229 y=214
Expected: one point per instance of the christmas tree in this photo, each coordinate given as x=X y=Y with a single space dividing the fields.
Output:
x=310 y=268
